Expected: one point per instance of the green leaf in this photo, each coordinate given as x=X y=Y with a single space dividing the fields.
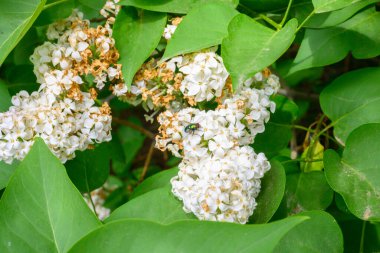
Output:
x=159 y=180
x=272 y=191
x=90 y=168
x=331 y=5
x=320 y=233
x=172 y=6
x=356 y=176
x=136 y=33
x=17 y=18
x=333 y=18
x=158 y=205
x=277 y=132
x=185 y=236
x=266 y=5
x=5 y=97
x=97 y=5
x=131 y=141
x=192 y=34
x=352 y=233
x=6 y=171
x=352 y=100
x=358 y=35
x=40 y=210
x=307 y=191
x=251 y=46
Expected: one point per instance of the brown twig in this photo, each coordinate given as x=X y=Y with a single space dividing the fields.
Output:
x=147 y=162
x=98 y=20
x=142 y=130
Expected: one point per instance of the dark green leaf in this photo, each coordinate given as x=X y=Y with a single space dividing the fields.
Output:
x=356 y=176
x=278 y=130
x=40 y=210
x=156 y=181
x=272 y=191
x=172 y=6
x=320 y=233
x=94 y=4
x=358 y=35
x=17 y=18
x=185 y=236
x=137 y=33
x=192 y=34
x=352 y=100
x=90 y=168
x=5 y=97
x=251 y=46
x=307 y=191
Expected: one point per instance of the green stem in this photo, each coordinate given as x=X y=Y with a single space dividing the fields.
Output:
x=361 y=250
x=313 y=142
x=270 y=21
x=303 y=160
x=305 y=20
x=47 y=6
x=92 y=203
x=286 y=13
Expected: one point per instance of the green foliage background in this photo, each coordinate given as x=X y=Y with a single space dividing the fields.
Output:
x=325 y=200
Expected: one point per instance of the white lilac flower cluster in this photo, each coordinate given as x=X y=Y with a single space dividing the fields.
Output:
x=180 y=82
x=63 y=111
x=220 y=174
x=65 y=125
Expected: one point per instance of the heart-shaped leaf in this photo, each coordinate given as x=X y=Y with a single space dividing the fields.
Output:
x=356 y=176
x=352 y=100
x=331 y=5
x=136 y=33
x=185 y=236
x=41 y=210
x=320 y=233
x=251 y=46
x=192 y=35
x=321 y=47
x=16 y=19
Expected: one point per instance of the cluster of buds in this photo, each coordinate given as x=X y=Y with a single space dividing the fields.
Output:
x=76 y=62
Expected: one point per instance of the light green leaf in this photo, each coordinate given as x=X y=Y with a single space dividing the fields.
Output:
x=321 y=47
x=90 y=168
x=192 y=34
x=320 y=233
x=185 y=236
x=40 y=210
x=272 y=191
x=172 y=6
x=251 y=46
x=6 y=171
x=16 y=19
x=328 y=19
x=136 y=33
x=356 y=176
x=352 y=100
x=314 y=152
x=278 y=130
x=159 y=180
x=158 y=205
x=307 y=191
x=5 y=97
x=331 y=5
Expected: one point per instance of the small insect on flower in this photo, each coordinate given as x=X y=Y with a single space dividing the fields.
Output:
x=191 y=128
